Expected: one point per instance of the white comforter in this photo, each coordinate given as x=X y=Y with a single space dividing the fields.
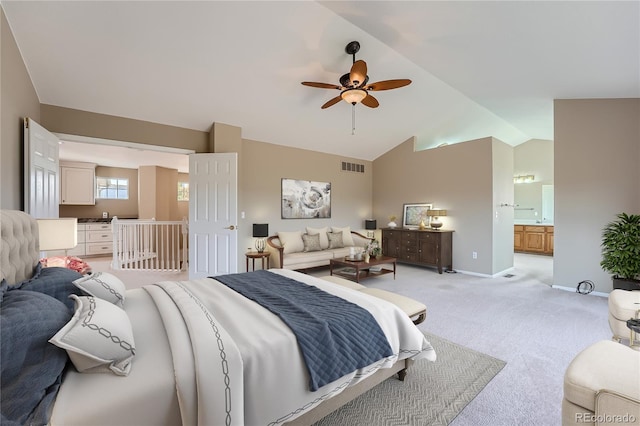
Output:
x=240 y=364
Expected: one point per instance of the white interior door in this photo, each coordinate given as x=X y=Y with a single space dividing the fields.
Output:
x=213 y=208
x=41 y=169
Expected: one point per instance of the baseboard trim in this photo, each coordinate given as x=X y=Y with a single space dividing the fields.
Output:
x=476 y=274
x=573 y=290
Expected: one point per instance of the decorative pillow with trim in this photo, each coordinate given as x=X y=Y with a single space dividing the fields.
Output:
x=335 y=240
x=311 y=242
x=347 y=239
x=103 y=285
x=98 y=338
x=291 y=241
x=322 y=232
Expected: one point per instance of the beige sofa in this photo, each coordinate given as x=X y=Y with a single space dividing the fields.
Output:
x=295 y=250
x=602 y=386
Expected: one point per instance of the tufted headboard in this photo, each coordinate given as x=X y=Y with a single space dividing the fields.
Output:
x=19 y=249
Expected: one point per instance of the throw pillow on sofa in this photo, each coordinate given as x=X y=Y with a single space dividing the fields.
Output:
x=335 y=240
x=347 y=239
x=311 y=242
x=291 y=241
x=322 y=232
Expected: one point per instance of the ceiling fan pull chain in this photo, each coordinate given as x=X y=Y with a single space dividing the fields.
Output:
x=353 y=119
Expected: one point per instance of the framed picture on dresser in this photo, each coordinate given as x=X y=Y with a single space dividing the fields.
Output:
x=413 y=214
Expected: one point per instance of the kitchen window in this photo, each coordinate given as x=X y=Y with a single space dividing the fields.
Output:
x=112 y=188
x=183 y=191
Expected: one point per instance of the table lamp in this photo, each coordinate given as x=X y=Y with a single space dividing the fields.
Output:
x=58 y=234
x=435 y=214
x=370 y=225
x=260 y=231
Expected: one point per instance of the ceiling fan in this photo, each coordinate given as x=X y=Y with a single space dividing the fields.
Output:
x=354 y=86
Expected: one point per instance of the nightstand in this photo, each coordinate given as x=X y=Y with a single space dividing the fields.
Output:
x=253 y=255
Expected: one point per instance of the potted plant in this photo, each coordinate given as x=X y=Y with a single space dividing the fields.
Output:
x=374 y=249
x=392 y=221
x=621 y=251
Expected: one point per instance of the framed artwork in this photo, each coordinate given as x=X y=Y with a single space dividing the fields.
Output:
x=305 y=199
x=413 y=214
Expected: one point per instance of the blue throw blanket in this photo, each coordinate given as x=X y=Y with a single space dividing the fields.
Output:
x=335 y=336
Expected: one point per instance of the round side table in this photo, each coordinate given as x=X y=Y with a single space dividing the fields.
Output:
x=253 y=255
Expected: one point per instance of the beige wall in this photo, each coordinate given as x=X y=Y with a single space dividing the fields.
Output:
x=19 y=100
x=262 y=167
x=457 y=178
x=597 y=152
x=124 y=209
x=158 y=196
x=83 y=123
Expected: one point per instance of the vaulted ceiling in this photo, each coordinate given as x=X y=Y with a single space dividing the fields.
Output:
x=478 y=68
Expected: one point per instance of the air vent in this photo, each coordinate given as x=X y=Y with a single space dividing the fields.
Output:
x=352 y=167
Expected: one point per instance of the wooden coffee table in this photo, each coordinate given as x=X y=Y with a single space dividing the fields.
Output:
x=351 y=269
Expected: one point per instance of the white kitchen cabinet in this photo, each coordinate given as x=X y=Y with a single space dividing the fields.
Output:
x=99 y=239
x=77 y=183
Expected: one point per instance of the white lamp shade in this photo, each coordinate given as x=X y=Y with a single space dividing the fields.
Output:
x=58 y=234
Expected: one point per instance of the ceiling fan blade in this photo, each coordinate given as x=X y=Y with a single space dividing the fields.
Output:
x=331 y=102
x=358 y=73
x=388 y=84
x=370 y=101
x=321 y=85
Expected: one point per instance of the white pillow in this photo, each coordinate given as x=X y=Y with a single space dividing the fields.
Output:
x=291 y=241
x=324 y=240
x=347 y=239
x=98 y=338
x=103 y=285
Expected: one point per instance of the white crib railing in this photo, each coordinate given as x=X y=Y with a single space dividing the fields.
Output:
x=150 y=245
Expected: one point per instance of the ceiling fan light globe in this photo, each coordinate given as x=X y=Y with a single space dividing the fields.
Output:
x=354 y=96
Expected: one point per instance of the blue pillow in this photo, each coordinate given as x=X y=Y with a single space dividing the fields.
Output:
x=56 y=282
x=31 y=367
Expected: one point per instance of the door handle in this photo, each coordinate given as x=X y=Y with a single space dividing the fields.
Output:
x=230 y=227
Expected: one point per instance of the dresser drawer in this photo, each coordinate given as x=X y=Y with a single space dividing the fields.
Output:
x=99 y=248
x=98 y=227
x=99 y=236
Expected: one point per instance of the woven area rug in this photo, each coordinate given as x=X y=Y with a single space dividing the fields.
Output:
x=433 y=393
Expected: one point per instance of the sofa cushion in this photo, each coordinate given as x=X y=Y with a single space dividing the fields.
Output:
x=311 y=242
x=291 y=241
x=322 y=232
x=624 y=304
x=335 y=240
x=347 y=240
x=603 y=365
x=306 y=260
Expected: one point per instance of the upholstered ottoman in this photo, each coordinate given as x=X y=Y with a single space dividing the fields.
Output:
x=415 y=310
x=602 y=386
x=623 y=305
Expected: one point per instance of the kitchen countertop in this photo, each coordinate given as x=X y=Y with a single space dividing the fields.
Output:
x=94 y=220
x=531 y=222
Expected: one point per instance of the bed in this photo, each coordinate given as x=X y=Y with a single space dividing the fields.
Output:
x=204 y=352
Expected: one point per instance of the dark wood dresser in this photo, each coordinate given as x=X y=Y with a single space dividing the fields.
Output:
x=419 y=247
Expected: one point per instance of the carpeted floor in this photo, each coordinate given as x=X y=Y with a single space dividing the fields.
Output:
x=433 y=393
